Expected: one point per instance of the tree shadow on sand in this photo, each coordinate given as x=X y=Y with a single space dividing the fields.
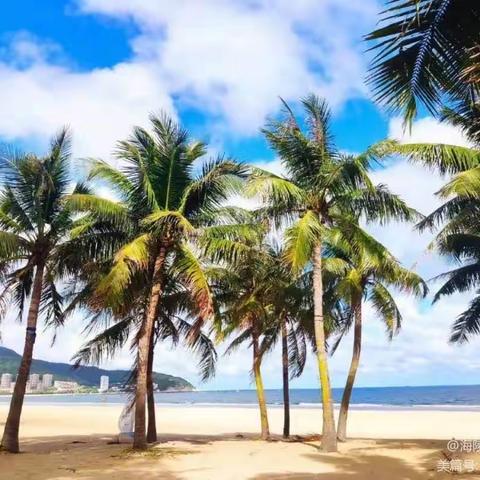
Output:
x=359 y=463
x=85 y=457
x=98 y=457
x=370 y=467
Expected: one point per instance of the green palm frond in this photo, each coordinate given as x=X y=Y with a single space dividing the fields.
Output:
x=11 y=245
x=130 y=258
x=202 y=346
x=189 y=268
x=446 y=159
x=103 y=209
x=467 y=323
x=464 y=184
x=460 y=279
x=167 y=220
x=297 y=350
x=451 y=210
x=378 y=204
x=301 y=238
x=461 y=246
x=104 y=345
x=422 y=50
x=385 y=306
x=273 y=190
x=99 y=169
x=219 y=179
x=244 y=336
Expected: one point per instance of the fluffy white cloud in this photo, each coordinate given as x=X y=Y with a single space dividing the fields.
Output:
x=236 y=57
x=426 y=130
x=100 y=105
x=232 y=59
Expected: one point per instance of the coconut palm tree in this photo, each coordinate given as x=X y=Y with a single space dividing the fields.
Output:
x=242 y=307
x=288 y=299
x=163 y=203
x=36 y=221
x=291 y=300
x=177 y=323
x=364 y=270
x=427 y=52
x=319 y=185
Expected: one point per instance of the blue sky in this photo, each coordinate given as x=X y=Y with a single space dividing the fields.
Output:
x=219 y=66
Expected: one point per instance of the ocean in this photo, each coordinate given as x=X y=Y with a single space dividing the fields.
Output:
x=463 y=397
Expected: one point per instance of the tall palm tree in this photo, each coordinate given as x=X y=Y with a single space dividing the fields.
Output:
x=364 y=269
x=320 y=185
x=177 y=323
x=242 y=307
x=36 y=221
x=288 y=300
x=163 y=204
x=291 y=309
x=427 y=52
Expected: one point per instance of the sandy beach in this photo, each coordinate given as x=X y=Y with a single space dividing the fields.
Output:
x=210 y=443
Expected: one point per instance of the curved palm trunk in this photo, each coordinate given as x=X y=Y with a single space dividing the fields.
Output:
x=329 y=437
x=12 y=426
x=347 y=393
x=285 y=376
x=144 y=340
x=152 y=425
x=257 y=360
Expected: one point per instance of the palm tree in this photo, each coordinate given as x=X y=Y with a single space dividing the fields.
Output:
x=288 y=300
x=36 y=221
x=242 y=307
x=292 y=322
x=320 y=185
x=177 y=322
x=163 y=203
x=364 y=269
x=427 y=52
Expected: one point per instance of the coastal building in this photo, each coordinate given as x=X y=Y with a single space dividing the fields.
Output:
x=5 y=381
x=47 y=381
x=61 y=386
x=104 y=383
x=34 y=381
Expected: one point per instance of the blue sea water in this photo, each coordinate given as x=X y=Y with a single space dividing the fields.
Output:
x=463 y=397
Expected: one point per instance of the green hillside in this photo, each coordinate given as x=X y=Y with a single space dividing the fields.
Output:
x=88 y=376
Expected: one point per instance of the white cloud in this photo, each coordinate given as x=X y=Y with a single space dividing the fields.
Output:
x=234 y=58
x=100 y=106
x=426 y=130
x=231 y=59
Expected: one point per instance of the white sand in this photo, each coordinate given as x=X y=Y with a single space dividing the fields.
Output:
x=203 y=443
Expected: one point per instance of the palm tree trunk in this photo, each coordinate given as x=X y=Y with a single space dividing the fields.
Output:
x=329 y=437
x=144 y=340
x=12 y=426
x=286 y=388
x=347 y=392
x=152 y=425
x=257 y=360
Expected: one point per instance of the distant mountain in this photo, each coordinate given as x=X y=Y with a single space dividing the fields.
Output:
x=88 y=376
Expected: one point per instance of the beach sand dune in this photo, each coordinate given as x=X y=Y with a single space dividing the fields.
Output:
x=213 y=443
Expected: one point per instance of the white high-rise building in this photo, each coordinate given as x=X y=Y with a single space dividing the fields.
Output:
x=104 y=383
x=47 y=381
x=34 y=381
x=5 y=381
